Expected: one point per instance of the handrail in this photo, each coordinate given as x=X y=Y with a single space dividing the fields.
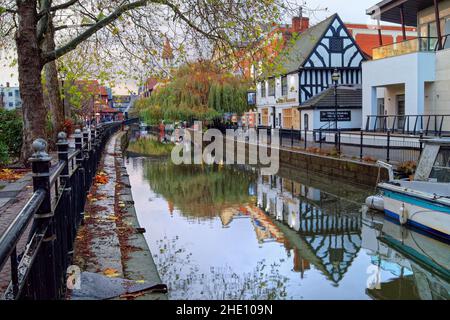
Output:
x=63 y=210
x=56 y=171
x=12 y=235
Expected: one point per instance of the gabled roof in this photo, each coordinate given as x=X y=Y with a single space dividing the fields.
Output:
x=299 y=52
x=347 y=96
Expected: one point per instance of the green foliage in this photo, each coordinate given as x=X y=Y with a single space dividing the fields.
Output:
x=150 y=147
x=11 y=131
x=200 y=91
x=4 y=153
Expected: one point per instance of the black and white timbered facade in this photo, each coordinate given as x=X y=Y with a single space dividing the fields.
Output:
x=336 y=50
x=308 y=66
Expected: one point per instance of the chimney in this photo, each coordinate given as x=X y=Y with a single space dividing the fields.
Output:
x=7 y=84
x=300 y=24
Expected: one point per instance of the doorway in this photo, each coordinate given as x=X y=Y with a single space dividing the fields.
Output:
x=400 y=111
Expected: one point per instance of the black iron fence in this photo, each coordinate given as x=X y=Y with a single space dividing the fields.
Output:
x=50 y=219
x=361 y=145
x=435 y=125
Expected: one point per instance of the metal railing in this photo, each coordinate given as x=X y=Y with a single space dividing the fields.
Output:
x=39 y=243
x=410 y=124
x=350 y=144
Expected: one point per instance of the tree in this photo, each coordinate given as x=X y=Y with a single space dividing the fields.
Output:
x=223 y=23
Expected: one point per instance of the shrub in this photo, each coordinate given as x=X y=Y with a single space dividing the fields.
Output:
x=4 y=154
x=11 y=131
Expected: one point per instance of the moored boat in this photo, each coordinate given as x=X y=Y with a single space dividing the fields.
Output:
x=423 y=203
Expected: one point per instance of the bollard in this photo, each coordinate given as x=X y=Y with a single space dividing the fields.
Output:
x=40 y=165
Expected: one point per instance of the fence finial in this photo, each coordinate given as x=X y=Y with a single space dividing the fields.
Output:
x=62 y=136
x=40 y=149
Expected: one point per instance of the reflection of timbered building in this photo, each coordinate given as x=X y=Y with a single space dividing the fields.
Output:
x=307 y=68
x=326 y=228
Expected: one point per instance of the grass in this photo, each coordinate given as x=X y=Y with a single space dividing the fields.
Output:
x=150 y=147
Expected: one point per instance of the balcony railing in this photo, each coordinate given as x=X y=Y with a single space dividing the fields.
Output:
x=435 y=125
x=420 y=44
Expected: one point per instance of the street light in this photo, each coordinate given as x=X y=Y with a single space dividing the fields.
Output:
x=2 y=94
x=335 y=77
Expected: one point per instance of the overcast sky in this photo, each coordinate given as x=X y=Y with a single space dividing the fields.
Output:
x=349 y=10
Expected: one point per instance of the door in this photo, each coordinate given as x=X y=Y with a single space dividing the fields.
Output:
x=401 y=111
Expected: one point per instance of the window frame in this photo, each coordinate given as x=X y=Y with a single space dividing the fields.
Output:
x=272 y=87
x=284 y=86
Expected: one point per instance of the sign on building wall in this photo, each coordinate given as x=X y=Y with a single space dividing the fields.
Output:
x=326 y=116
x=251 y=98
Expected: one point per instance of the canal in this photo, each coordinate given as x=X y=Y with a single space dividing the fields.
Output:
x=227 y=232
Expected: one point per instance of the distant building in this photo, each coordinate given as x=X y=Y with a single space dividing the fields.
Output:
x=146 y=90
x=10 y=97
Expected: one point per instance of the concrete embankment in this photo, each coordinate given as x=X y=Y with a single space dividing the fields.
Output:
x=111 y=250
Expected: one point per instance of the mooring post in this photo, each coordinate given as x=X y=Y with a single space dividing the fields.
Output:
x=40 y=166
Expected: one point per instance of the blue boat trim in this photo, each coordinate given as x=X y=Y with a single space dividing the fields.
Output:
x=420 y=226
x=427 y=204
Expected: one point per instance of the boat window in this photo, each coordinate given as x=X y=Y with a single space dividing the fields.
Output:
x=441 y=167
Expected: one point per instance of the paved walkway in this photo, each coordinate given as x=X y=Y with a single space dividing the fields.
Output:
x=110 y=243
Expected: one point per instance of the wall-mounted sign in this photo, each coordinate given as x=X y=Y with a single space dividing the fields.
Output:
x=251 y=98
x=326 y=116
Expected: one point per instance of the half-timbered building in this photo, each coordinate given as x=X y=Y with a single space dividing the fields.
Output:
x=307 y=67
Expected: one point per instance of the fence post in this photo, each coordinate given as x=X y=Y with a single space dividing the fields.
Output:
x=320 y=138
x=339 y=142
x=40 y=166
x=292 y=136
x=69 y=216
x=420 y=142
x=306 y=138
x=361 y=146
x=81 y=177
x=388 y=145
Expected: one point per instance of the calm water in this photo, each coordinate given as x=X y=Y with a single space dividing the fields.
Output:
x=230 y=233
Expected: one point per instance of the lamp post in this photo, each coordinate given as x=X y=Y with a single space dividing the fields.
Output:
x=335 y=77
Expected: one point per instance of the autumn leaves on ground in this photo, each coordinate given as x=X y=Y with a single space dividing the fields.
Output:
x=102 y=245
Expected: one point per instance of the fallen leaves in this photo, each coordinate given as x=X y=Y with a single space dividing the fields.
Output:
x=11 y=175
x=101 y=178
x=110 y=272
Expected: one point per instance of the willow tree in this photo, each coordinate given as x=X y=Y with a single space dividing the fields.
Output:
x=223 y=23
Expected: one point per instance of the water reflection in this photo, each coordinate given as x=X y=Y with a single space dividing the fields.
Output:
x=226 y=232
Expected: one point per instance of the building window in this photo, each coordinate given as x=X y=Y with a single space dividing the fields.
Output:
x=263 y=89
x=10 y=104
x=336 y=44
x=10 y=94
x=17 y=93
x=284 y=86
x=272 y=87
